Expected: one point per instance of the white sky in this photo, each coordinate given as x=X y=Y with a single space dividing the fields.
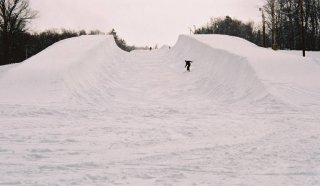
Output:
x=140 y=22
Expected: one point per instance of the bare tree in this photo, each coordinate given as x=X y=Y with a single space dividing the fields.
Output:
x=270 y=8
x=14 y=16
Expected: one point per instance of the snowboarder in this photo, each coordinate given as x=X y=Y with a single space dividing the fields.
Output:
x=188 y=64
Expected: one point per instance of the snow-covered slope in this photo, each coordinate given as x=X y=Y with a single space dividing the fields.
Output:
x=84 y=112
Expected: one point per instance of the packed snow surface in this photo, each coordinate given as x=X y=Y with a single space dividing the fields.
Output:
x=84 y=112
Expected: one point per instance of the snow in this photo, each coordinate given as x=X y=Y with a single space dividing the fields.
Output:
x=309 y=54
x=84 y=112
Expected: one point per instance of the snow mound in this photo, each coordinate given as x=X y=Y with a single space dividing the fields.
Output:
x=67 y=70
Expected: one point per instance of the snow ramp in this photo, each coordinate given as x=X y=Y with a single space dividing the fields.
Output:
x=92 y=70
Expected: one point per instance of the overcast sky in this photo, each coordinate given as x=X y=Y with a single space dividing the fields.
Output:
x=140 y=22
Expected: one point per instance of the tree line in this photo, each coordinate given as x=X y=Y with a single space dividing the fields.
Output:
x=232 y=27
x=286 y=24
x=294 y=23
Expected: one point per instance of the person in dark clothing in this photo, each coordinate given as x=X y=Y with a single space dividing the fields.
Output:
x=188 y=64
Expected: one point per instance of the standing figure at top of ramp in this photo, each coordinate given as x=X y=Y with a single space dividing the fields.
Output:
x=188 y=64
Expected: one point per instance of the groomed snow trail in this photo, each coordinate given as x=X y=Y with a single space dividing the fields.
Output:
x=83 y=112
